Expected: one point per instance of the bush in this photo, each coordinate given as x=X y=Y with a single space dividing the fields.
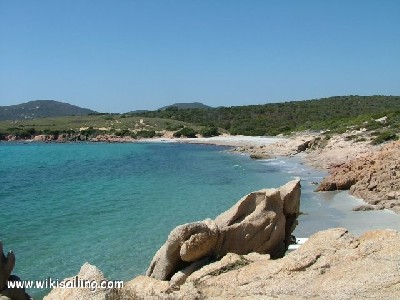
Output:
x=54 y=133
x=384 y=137
x=147 y=134
x=25 y=133
x=210 y=131
x=123 y=132
x=373 y=125
x=187 y=132
x=350 y=137
x=89 y=132
x=174 y=127
x=360 y=139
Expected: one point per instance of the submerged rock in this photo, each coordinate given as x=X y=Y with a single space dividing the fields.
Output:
x=259 y=222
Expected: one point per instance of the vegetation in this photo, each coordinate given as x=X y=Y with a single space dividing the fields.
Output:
x=186 y=132
x=379 y=115
x=384 y=137
x=192 y=105
x=40 y=109
x=335 y=113
x=210 y=132
x=90 y=125
x=147 y=134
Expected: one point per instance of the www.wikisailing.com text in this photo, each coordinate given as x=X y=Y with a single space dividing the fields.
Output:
x=72 y=283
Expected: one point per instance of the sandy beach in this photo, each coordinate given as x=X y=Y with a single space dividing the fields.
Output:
x=222 y=140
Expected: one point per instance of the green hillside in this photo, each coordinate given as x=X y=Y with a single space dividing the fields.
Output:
x=90 y=125
x=190 y=105
x=334 y=113
x=40 y=109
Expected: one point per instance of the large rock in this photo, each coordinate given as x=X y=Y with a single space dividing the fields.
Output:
x=374 y=178
x=259 y=222
x=186 y=243
x=7 y=264
x=332 y=264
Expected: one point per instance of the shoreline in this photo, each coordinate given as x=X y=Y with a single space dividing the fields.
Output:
x=368 y=172
x=328 y=255
x=259 y=143
x=319 y=151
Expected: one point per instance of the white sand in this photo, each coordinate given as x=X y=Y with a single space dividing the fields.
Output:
x=237 y=140
x=223 y=140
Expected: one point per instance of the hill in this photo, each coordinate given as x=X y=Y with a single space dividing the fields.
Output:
x=334 y=113
x=379 y=115
x=41 y=108
x=190 y=105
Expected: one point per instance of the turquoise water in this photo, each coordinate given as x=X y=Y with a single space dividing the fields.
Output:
x=113 y=205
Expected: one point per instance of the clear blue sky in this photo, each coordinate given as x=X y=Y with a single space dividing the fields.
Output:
x=125 y=55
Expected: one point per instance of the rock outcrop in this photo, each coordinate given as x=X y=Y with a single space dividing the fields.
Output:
x=329 y=151
x=374 y=178
x=260 y=222
x=332 y=264
x=7 y=264
x=88 y=274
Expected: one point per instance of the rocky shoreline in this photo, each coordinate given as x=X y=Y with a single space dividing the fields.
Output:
x=353 y=163
x=332 y=264
x=370 y=172
x=208 y=259
x=373 y=177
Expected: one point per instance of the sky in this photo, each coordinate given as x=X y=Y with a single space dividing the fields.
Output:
x=124 y=55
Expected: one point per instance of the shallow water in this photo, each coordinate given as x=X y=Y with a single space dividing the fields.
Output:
x=325 y=210
x=113 y=205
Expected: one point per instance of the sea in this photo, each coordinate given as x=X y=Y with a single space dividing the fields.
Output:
x=113 y=205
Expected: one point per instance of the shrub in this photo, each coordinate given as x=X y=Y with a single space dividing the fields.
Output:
x=147 y=134
x=384 y=137
x=350 y=137
x=174 y=127
x=54 y=132
x=210 y=131
x=89 y=132
x=187 y=132
x=373 y=125
x=360 y=139
x=25 y=133
x=123 y=132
